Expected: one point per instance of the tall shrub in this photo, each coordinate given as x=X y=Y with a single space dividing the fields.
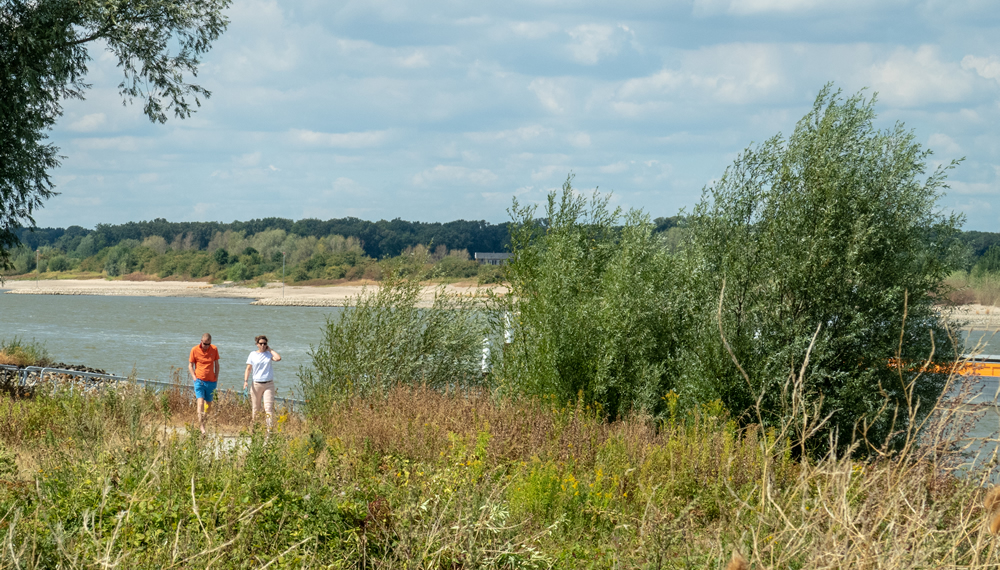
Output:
x=387 y=338
x=836 y=228
x=590 y=306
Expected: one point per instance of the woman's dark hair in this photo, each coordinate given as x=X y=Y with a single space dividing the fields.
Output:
x=258 y=338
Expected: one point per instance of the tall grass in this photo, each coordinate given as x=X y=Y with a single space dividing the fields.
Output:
x=980 y=288
x=419 y=478
x=19 y=352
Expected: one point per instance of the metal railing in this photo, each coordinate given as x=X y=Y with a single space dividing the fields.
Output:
x=25 y=379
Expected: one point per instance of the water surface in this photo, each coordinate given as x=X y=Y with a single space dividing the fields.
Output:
x=156 y=334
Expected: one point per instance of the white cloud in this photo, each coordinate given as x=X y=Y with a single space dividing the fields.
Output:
x=247 y=160
x=728 y=73
x=88 y=123
x=910 y=78
x=943 y=145
x=518 y=135
x=975 y=188
x=454 y=174
x=534 y=30
x=550 y=94
x=756 y=6
x=753 y=7
x=365 y=139
x=344 y=185
x=546 y=172
x=616 y=168
x=121 y=144
x=579 y=140
x=415 y=60
x=986 y=67
x=593 y=41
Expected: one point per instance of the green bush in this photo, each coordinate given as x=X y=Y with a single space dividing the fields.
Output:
x=386 y=339
x=238 y=272
x=221 y=257
x=490 y=274
x=988 y=264
x=59 y=263
x=834 y=232
x=591 y=295
x=456 y=266
x=121 y=260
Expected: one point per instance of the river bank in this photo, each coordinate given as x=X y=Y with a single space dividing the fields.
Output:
x=273 y=294
x=973 y=316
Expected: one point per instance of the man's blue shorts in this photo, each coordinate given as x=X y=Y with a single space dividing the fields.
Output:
x=204 y=390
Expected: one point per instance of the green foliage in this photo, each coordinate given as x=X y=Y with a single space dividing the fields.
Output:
x=988 y=264
x=833 y=230
x=221 y=256
x=120 y=259
x=591 y=297
x=238 y=272
x=490 y=274
x=20 y=352
x=59 y=263
x=456 y=264
x=387 y=339
x=43 y=61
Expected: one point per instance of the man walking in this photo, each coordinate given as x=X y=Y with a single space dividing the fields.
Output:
x=203 y=365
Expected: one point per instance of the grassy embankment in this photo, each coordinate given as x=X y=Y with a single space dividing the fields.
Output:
x=421 y=479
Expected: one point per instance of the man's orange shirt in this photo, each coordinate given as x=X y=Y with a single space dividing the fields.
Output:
x=204 y=362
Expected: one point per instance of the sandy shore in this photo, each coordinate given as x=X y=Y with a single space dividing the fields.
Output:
x=975 y=316
x=272 y=294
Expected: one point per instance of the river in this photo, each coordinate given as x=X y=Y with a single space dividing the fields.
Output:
x=154 y=335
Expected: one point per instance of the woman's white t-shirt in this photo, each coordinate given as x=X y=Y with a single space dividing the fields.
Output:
x=260 y=364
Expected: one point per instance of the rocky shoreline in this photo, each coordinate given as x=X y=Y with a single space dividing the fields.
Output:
x=14 y=380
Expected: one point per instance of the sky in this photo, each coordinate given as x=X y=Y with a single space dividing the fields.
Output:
x=437 y=111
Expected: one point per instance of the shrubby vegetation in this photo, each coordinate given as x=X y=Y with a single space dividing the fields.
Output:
x=831 y=239
x=393 y=336
x=666 y=398
x=416 y=478
x=16 y=351
x=590 y=305
x=816 y=260
x=234 y=255
x=378 y=239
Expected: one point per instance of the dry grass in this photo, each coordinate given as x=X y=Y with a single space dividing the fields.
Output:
x=16 y=358
x=423 y=479
x=229 y=413
x=966 y=290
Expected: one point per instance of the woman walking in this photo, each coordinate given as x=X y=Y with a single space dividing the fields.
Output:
x=259 y=363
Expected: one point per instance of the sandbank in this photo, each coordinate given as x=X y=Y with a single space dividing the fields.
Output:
x=271 y=294
x=973 y=316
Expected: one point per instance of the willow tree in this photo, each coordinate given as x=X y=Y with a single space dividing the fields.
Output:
x=43 y=61
x=836 y=229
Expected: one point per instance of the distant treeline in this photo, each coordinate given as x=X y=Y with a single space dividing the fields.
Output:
x=379 y=239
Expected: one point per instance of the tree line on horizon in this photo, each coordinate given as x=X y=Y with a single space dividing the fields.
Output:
x=377 y=240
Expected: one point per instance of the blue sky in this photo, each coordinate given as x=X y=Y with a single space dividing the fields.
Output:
x=436 y=111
